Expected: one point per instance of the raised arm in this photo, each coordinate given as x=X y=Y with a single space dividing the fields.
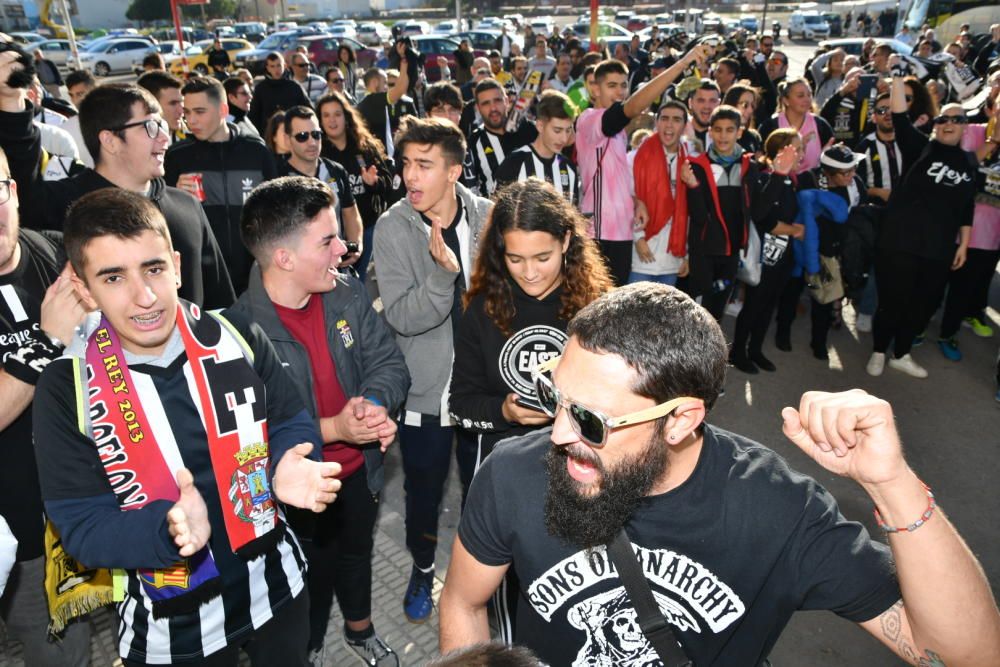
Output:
x=947 y=615
x=641 y=99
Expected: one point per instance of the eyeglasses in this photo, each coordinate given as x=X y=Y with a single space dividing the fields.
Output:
x=303 y=137
x=336 y=81
x=592 y=426
x=302 y=65
x=957 y=120
x=5 y=190
x=153 y=127
x=883 y=111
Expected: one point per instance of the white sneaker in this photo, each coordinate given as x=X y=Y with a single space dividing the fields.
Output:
x=876 y=363
x=908 y=366
x=863 y=323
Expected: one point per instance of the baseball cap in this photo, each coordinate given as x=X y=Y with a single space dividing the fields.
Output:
x=840 y=157
x=662 y=63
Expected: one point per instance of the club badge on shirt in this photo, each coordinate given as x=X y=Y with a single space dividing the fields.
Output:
x=344 y=329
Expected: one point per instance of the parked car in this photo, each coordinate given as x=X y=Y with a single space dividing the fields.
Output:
x=56 y=50
x=280 y=41
x=484 y=41
x=252 y=31
x=516 y=20
x=191 y=35
x=854 y=45
x=604 y=29
x=432 y=46
x=750 y=24
x=808 y=25
x=637 y=23
x=114 y=55
x=197 y=55
x=373 y=34
x=449 y=27
x=342 y=30
x=411 y=28
x=543 y=25
x=28 y=40
x=323 y=51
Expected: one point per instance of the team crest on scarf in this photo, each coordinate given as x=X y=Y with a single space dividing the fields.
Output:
x=250 y=492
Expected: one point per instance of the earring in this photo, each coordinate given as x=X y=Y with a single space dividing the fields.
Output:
x=672 y=438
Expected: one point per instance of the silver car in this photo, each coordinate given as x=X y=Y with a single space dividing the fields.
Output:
x=56 y=50
x=110 y=56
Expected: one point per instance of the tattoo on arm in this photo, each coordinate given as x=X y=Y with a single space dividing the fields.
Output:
x=892 y=630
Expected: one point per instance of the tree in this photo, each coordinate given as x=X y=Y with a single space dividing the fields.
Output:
x=148 y=10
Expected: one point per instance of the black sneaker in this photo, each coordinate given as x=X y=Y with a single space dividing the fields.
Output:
x=762 y=362
x=372 y=651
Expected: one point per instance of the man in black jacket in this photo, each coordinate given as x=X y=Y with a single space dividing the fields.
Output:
x=123 y=130
x=220 y=165
x=274 y=93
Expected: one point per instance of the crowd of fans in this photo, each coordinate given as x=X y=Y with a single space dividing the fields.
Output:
x=480 y=214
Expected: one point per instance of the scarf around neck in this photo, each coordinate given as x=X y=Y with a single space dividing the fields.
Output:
x=726 y=161
x=652 y=187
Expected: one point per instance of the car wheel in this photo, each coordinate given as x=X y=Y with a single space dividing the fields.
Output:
x=102 y=69
x=201 y=69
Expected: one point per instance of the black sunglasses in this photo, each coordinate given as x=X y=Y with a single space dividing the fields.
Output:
x=957 y=120
x=883 y=111
x=592 y=426
x=303 y=137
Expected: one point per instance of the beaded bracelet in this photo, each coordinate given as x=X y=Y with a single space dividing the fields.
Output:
x=924 y=518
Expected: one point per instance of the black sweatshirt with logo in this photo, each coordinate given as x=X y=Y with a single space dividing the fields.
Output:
x=934 y=199
x=489 y=364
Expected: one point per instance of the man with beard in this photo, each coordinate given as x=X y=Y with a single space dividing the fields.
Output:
x=701 y=103
x=725 y=573
x=490 y=143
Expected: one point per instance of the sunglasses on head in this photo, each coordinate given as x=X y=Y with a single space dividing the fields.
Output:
x=592 y=426
x=303 y=137
x=957 y=120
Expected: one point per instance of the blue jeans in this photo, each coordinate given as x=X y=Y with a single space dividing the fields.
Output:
x=663 y=279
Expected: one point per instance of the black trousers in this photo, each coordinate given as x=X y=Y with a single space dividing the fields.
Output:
x=759 y=305
x=820 y=314
x=968 y=289
x=618 y=255
x=704 y=272
x=910 y=289
x=340 y=557
x=280 y=641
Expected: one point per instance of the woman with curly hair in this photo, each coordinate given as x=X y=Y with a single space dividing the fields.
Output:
x=347 y=63
x=348 y=142
x=535 y=270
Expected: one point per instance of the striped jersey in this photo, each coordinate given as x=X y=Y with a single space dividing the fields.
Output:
x=882 y=166
x=74 y=483
x=489 y=150
x=525 y=163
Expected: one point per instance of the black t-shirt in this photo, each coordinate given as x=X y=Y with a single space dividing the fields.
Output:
x=21 y=294
x=730 y=554
x=375 y=108
x=372 y=200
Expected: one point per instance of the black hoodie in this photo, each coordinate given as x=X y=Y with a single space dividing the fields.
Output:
x=229 y=170
x=43 y=204
x=489 y=365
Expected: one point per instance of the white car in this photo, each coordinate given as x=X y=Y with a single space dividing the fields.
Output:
x=110 y=56
x=56 y=50
x=446 y=27
x=373 y=34
x=542 y=25
x=411 y=28
x=29 y=40
x=808 y=25
x=342 y=30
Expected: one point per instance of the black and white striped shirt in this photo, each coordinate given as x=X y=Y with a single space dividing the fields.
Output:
x=883 y=163
x=525 y=162
x=489 y=150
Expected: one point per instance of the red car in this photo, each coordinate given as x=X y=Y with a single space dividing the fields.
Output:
x=323 y=51
x=432 y=46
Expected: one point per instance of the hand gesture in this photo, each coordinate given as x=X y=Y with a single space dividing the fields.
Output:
x=699 y=54
x=895 y=60
x=301 y=482
x=369 y=175
x=641 y=217
x=62 y=310
x=187 y=520
x=442 y=62
x=849 y=433
x=850 y=85
x=687 y=175
x=361 y=422
x=785 y=160
x=442 y=254
x=518 y=414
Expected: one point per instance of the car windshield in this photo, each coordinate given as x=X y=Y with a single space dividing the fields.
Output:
x=813 y=19
x=271 y=42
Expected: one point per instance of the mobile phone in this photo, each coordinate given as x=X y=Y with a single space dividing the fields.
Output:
x=352 y=247
x=528 y=403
